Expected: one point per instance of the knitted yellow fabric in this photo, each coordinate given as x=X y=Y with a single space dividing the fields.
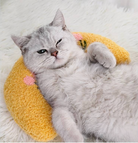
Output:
x=27 y=106
x=25 y=102
x=122 y=56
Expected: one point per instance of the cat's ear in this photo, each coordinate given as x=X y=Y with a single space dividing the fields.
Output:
x=21 y=41
x=58 y=20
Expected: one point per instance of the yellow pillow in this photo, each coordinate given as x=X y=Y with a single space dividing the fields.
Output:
x=26 y=104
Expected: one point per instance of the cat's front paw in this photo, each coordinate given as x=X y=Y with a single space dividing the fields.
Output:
x=100 y=53
x=108 y=60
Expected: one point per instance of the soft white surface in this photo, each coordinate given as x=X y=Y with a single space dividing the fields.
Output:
x=127 y=4
x=23 y=16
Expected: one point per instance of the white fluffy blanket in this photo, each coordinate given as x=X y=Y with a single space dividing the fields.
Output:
x=21 y=17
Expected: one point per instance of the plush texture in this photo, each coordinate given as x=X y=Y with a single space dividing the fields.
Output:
x=25 y=102
x=22 y=17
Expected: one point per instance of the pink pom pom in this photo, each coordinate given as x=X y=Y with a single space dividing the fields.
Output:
x=29 y=80
x=78 y=36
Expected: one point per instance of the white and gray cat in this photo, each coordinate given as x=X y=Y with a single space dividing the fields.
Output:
x=89 y=94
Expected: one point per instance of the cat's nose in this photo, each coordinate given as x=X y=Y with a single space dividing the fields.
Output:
x=54 y=53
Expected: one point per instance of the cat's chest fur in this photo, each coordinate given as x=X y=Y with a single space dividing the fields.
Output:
x=73 y=86
x=80 y=86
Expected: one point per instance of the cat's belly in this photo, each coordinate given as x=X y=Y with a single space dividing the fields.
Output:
x=85 y=90
x=103 y=102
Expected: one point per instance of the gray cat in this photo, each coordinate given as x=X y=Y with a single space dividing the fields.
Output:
x=89 y=94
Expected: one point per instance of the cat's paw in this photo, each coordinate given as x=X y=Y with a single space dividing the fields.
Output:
x=108 y=60
x=98 y=52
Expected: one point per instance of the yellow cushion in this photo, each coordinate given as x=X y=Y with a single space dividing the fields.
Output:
x=25 y=102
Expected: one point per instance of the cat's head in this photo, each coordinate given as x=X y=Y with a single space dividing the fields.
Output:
x=49 y=47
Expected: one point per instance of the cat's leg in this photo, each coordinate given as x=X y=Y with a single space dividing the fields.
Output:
x=65 y=126
x=98 y=52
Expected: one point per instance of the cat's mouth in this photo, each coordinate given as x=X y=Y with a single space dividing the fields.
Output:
x=57 y=59
x=59 y=62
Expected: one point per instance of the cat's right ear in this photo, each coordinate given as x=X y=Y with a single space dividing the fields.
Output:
x=20 y=41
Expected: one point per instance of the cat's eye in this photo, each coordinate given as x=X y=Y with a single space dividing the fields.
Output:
x=42 y=51
x=58 y=41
